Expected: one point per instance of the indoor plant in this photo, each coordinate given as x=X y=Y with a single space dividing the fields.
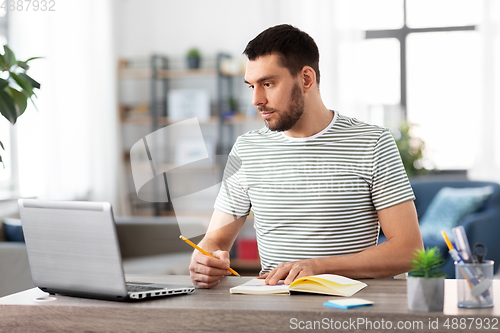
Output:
x=16 y=87
x=425 y=285
x=411 y=150
x=193 y=57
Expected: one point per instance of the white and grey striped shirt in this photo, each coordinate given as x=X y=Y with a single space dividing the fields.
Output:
x=315 y=196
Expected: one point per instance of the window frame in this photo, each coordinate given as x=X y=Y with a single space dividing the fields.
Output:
x=401 y=34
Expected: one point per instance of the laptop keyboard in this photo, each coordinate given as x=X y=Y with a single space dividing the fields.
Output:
x=138 y=287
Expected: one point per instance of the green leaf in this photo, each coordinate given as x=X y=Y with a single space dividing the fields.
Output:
x=8 y=107
x=1 y=145
x=2 y=62
x=2 y=162
x=23 y=65
x=32 y=58
x=20 y=99
x=9 y=57
x=32 y=102
x=27 y=78
x=3 y=84
x=426 y=263
x=24 y=84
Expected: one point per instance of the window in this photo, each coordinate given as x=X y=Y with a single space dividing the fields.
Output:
x=445 y=94
x=439 y=72
x=6 y=135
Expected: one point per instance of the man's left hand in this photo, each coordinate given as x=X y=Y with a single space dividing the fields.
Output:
x=292 y=270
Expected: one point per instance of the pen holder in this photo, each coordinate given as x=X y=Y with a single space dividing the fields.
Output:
x=474 y=283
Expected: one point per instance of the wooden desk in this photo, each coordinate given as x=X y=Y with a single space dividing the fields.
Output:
x=216 y=310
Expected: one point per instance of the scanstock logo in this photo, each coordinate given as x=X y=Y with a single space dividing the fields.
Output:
x=176 y=164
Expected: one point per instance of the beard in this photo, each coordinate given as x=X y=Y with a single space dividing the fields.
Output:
x=285 y=120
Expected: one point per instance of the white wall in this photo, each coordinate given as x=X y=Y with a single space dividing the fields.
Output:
x=172 y=27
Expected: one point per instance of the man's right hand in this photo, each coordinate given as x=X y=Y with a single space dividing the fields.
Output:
x=206 y=272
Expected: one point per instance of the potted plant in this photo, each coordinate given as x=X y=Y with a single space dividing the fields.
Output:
x=16 y=87
x=425 y=285
x=193 y=57
x=411 y=150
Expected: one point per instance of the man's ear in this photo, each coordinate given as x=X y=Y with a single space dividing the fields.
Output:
x=308 y=77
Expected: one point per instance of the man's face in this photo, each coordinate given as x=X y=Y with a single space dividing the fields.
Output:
x=276 y=93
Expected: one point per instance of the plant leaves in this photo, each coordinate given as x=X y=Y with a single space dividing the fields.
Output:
x=20 y=100
x=9 y=57
x=14 y=96
x=25 y=85
x=1 y=145
x=32 y=58
x=3 y=84
x=426 y=263
x=27 y=78
x=32 y=102
x=7 y=107
x=23 y=65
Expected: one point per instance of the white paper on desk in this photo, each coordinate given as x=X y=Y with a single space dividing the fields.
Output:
x=259 y=286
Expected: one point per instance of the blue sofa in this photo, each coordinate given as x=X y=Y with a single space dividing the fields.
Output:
x=483 y=226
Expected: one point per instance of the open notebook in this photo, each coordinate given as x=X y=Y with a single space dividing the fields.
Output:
x=328 y=284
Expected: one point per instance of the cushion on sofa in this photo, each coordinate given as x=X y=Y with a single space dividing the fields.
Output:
x=13 y=230
x=449 y=207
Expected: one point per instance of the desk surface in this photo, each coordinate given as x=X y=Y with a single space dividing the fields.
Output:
x=216 y=310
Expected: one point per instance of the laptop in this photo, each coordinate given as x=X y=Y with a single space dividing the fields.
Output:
x=73 y=250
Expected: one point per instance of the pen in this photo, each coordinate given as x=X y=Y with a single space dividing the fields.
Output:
x=477 y=287
x=462 y=244
x=205 y=253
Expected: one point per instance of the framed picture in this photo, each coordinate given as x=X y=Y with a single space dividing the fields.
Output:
x=188 y=103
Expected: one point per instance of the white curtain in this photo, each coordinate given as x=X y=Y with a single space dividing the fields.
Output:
x=487 y=166
x=68 y=149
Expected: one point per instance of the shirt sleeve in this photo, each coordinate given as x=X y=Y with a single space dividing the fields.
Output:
x=233 y=198
x=390 y=184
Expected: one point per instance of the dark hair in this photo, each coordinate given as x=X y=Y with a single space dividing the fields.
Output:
x=295 y=48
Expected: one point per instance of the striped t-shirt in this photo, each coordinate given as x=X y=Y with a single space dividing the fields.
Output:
x=316 y=196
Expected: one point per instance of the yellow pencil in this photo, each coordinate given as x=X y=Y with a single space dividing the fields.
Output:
x=447 y=241
x=450 y=247
x=205 y=253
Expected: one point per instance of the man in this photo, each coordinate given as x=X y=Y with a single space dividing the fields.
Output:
x=320 y=184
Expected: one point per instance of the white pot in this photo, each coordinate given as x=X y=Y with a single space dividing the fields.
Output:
x=425 y=294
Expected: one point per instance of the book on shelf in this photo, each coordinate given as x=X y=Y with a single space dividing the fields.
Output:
x=327 y=284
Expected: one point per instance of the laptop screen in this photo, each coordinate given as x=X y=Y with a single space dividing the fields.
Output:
x=73 y=246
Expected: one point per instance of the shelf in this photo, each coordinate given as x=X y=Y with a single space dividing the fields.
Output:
x=157 y=70
x=180 y=73
x=142 y=73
